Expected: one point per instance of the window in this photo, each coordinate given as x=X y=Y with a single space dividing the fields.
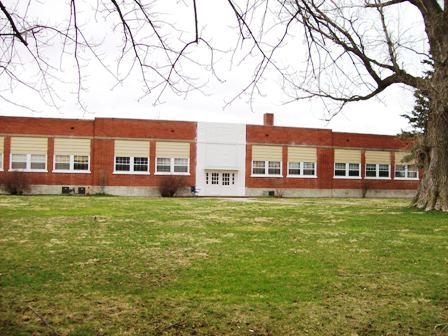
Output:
x=174 y=166
x=163 y=165
x=267 y=168
x=62 y=162
x=404 y=171
x=206 y=178
x=383 y=170
x=302 y=169
x=181 y=165
x=18 y=161
x=370 y=170
x=351 y=170
x=215 y=178
x=38 y=161
x=294 y=168
x=258 y=167
x=233 y=178
x=309 y=169
x=412 y=171
x=122 y=164
x=339 y=169
x=80 y=162
x=400 y=171
x=141 y=164
x=71 y=163
x=354 y=169
x=129 y=164
x=225 y=178
x=377 y=170
x=274 y=167
x=1 y=161
x=29 y=162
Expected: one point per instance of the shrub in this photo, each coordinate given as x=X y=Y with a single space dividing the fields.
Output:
x=364 y=189
x=280 y=192
x=170 y=185
x=16 y=183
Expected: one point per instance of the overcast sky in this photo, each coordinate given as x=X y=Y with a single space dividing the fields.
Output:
x=103 y=98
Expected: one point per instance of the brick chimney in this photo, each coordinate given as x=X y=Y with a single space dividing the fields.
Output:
x=268 y=119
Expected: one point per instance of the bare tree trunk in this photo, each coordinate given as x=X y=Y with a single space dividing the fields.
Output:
x=433 y=191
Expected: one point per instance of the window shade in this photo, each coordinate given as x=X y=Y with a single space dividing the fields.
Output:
x=67 y=146
x=25 y=145
x=267 y=153
x=302 y=154
x=400 y=158
x=377 y=157
x=347 y=156
x=173 y=150
x=136 y=148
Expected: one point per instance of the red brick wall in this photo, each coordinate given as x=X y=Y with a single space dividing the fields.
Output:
x=288 y=135
x=102 y=131
x=325 y=141
x=135 y=128
x=373 y=141
x=46 y=126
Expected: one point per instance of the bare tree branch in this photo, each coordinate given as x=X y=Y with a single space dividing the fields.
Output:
x=13 y=25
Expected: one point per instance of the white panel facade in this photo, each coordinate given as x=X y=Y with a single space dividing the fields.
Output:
x=220 y=159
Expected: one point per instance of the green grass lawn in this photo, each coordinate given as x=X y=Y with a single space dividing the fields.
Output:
x=139 y=266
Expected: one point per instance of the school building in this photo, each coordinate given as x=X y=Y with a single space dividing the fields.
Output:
x=131 y=157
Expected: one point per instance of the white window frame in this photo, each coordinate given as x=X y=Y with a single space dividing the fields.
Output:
x=300 y=175
x=131 y=166
x=218 y=179
x=71 y=170
x=2 y=162
x=347 y=170
x=28 y=163
x=266 y=169
x=172 y=172
x=406 y=172
x=377 y=172
x=227 y=180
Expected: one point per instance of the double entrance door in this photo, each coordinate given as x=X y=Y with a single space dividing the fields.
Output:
x=221 y=182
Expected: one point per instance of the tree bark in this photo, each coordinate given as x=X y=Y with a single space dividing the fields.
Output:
x=433 y=191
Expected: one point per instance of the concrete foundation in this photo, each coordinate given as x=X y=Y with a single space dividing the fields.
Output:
x=250 y=192
x=355 y=193
x=109 y=190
